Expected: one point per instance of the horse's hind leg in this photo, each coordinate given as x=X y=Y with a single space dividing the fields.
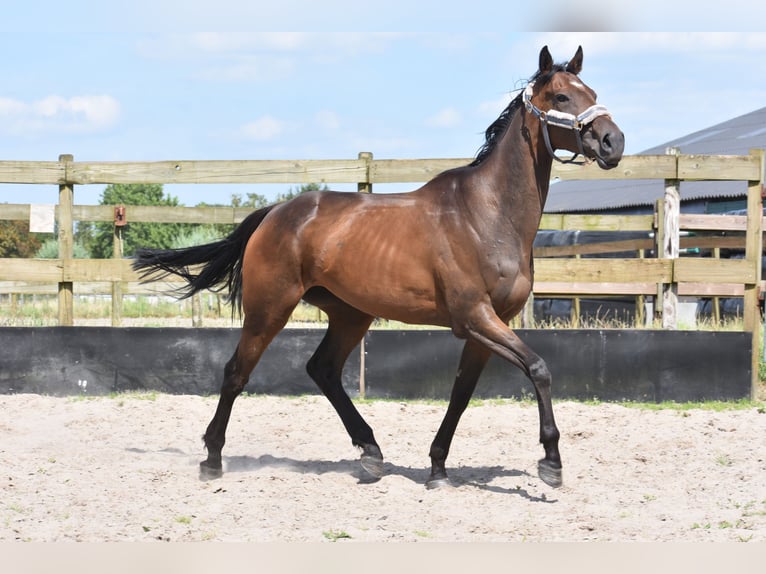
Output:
x=257 y=333
x=346 y=328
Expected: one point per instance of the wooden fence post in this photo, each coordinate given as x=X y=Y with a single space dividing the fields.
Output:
x=363 y=187
x=528 y=312
x=366 y=185
x=66 y=244
x=119 y=222
x=659 y=239
x=670 y=246
x=640 y=317
x=754 y=254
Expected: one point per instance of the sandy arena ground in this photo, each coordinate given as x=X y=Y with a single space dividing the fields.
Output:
x=125 y=469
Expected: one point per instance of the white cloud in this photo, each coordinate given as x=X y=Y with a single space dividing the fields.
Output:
x=445 y=118
x=259 y=56
x=263 y=129
x=327 y=120
x=247 y=68
x=56 y=113
x=239 y=41
x=493 y=108
x=563 y=45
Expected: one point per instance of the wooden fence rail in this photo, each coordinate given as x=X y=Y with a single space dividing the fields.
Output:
x=553 y=275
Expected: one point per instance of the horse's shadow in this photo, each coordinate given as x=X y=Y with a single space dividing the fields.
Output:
x=477 y=477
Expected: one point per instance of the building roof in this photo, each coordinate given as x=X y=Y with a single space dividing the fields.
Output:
x=733 y=137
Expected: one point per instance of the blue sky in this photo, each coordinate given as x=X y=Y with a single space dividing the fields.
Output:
x=121 y=95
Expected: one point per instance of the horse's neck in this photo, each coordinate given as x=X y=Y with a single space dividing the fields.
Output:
x=519 y=168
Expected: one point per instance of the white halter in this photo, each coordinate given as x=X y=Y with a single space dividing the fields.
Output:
x=563 y=120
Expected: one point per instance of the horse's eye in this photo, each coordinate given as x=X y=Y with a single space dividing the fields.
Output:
x=561 y=98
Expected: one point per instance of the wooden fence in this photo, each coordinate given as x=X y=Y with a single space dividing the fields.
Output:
x=665 y=277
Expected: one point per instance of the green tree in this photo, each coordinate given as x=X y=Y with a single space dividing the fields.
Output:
x=254 y=200
x=16 y=240
x=295 y=192
x=50 y=250
x=136 y=234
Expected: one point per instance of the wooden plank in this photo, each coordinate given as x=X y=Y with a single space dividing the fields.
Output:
x=98 y=270
x=219 y=171
x=595 y=270
x=719 y=167
x=591 y=222
x=164 y=214
x=411 y=170
x=421 y=170
x=34 y=172
x=547 y=271
x=553 y=288
x=711 y=289
x=66 y=270
x=631 y=167
x=548 y=288
x=43 y=270
x=600 y=247
x=353 y=171
x=14 y=211
x=218 y=215
x=706 y=270
x=96 y=288
x=709 y=222
x=713 y=241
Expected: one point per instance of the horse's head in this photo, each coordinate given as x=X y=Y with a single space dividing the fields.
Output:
x=569 y=116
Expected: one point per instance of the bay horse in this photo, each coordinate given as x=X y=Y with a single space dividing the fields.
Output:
x=457 y=252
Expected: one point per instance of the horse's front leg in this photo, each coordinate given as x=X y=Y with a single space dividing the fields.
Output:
x=347 y=325
x=472 y=362
x=490 y=330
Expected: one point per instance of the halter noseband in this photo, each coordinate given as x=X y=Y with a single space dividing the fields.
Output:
x=563 y=120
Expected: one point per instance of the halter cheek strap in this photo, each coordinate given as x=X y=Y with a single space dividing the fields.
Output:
x=563 y=120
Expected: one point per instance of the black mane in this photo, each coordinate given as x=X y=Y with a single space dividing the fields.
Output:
x=496 y=130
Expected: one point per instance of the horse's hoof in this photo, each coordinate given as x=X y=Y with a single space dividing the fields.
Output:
x=372 y=465
x=549 y=474
x=434 y=483
x=207 y=472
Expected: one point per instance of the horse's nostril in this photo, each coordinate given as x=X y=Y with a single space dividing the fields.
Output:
x=606 y=143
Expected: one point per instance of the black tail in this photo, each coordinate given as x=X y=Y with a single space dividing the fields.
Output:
x=221 y=262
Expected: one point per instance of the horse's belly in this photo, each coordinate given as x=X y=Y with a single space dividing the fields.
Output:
x=509 y=296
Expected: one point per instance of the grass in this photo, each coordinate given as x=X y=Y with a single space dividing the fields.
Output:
x=42 y=310
x=119 y=397
x=335 y=535
x=528 y=400
x=724 y=460
x=183 y=519
x=683 y=407
x=525 y=401
x=740 y=404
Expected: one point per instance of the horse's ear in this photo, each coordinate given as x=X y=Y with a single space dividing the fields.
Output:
x=575 y=64
x=546 y=61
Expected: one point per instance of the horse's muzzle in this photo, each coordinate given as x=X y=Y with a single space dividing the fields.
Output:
x=604 y=142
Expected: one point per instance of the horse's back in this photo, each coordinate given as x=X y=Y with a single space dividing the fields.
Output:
x=378 y=253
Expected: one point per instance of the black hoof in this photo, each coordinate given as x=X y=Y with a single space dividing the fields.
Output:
x=372 y=465
x=207 y=472
x=549 y=474
x=434 y=483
